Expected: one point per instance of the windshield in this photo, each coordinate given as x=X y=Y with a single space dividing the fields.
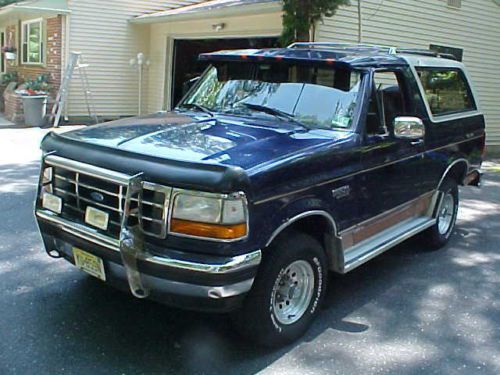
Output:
x=319 y=97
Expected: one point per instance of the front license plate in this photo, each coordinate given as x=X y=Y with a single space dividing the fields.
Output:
x=89 y=263
x=96 y=218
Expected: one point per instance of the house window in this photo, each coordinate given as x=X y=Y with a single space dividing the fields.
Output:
x=32 y=42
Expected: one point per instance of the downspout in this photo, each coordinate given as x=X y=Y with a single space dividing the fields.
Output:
x=64 y=64
x=359 y=22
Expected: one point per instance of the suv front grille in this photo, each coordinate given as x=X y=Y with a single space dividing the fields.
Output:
x=80 y=189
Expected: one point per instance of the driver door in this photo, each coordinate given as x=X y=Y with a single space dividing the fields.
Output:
x=392 y=166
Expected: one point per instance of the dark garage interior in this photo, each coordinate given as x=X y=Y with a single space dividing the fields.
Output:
x=187 y=66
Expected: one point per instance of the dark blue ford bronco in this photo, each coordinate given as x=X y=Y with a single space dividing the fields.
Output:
x=278 y=166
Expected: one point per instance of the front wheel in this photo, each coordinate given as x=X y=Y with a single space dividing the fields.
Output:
x=438 y=235
x=287 y=292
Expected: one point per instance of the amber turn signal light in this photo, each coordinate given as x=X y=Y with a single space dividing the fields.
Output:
x=223 y=232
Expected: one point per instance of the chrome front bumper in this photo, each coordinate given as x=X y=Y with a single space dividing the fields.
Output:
x=220 y=267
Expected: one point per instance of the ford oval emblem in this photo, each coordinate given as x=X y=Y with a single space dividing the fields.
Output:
x=98 y=197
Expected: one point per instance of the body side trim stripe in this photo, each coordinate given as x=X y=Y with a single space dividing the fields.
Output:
x=384 y=214
x=362 y=171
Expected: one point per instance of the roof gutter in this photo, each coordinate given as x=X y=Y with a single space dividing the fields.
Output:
x=29 y=6
x=51 y=10
x=237 y=10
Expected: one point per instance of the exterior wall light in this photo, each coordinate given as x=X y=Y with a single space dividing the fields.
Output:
x=218 y=26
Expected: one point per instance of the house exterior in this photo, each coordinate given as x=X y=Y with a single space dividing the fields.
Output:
x=470 y=28
x=170 y=34
x=43 y=28
x=99 y=29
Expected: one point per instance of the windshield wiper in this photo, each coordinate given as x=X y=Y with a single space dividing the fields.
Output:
x=198 y=107
x=274 y=112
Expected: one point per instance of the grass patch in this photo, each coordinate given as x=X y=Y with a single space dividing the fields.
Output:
x=495 y=169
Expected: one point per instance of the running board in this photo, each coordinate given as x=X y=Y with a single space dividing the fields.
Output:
x=377 y=244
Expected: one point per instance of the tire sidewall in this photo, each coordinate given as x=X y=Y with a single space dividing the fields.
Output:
x=317 y=263
x=449 y=187
x=256 y=319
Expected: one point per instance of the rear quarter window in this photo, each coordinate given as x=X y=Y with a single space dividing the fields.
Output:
x=446 y=90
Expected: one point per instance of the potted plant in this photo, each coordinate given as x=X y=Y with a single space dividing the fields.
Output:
x=8 y=78
x=10 y=52
x=35 y=94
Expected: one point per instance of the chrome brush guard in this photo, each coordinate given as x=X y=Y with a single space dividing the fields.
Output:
x=132 y=211
x=132 y=237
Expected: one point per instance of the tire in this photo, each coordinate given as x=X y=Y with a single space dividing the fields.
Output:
x=266 y=317
x=439 y=234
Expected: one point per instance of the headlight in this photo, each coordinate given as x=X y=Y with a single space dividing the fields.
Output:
x=189 y=207
x=203 y=215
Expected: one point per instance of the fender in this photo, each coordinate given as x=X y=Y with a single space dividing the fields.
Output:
x=286 y=211
x=438 y=196
x=304 y=208
x=300 y=216
x=450 y=167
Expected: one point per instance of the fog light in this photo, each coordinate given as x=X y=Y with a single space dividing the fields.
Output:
x=52 y=203
x=47 y=175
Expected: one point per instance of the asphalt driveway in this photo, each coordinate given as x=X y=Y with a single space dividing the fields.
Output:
x=410 y=311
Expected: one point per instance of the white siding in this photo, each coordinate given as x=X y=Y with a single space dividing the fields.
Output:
x=475 y=28
x=102 y=32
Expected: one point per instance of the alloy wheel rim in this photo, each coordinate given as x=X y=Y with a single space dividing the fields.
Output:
x=445 y=218
x=293 y=291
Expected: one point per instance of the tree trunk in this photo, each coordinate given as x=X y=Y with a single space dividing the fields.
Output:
x=302 y=26
x=302 y=36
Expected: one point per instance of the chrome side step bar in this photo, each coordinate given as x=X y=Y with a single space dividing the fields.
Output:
x=383 y=241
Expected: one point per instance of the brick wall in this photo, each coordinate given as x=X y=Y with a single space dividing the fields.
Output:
x=52 y=65
x=13 y=105
x=53 y=55
x=2 y=90
x=54 y=50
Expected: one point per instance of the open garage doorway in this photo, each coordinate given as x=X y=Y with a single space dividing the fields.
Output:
x=186 y=65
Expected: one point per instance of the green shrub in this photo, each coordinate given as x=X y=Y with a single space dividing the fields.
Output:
x=9 y=77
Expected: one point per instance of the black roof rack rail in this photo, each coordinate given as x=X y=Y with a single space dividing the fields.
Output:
x=425 y=52
x=345 y=46
x=363 y=47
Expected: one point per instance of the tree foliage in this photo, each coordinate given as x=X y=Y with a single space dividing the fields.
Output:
x=7 y=2
x=301 y=16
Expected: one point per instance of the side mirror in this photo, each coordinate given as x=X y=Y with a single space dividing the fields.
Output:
x=410 y=128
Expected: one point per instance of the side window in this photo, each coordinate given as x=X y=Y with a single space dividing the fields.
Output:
x=387 y=102
x=446 y=91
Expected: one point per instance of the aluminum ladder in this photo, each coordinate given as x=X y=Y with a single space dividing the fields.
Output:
x=75 y=63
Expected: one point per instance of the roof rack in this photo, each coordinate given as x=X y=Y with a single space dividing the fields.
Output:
x=360 y=47
x=426 y=52
x=345 y=46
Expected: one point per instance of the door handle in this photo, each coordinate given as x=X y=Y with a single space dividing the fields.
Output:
x=417 y=142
